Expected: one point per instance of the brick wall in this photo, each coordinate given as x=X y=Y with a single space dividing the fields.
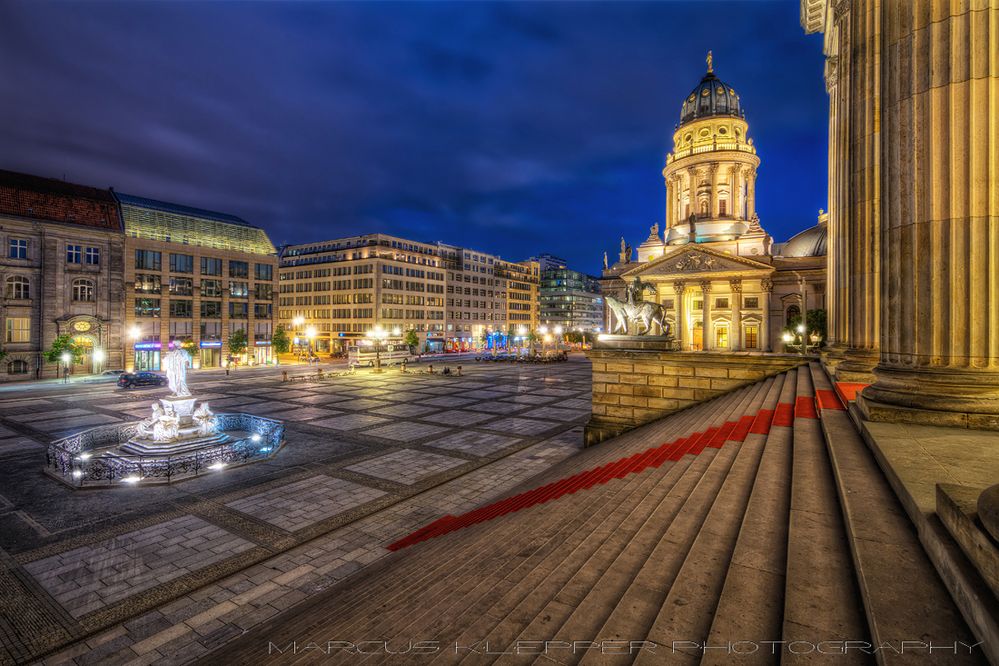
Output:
x=631 y=387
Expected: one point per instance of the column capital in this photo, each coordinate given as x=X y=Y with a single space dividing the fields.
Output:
x=767 y=284
x=705 y=286
x=736 y=285
x=679 y=286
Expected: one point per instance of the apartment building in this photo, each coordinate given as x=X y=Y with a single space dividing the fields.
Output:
x=522 y=303
x=572 y=300
x=195 y=277
x=476 y=297
x=61 y=255
x=331 y=293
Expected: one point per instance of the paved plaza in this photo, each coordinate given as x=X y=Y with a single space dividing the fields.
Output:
x=166 y=573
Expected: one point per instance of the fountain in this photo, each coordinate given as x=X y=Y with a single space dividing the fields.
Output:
x=180 y=439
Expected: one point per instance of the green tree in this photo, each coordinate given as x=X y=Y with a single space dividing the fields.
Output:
x=237 y=342
x=64 y=344
x=815 y=322
x=280 y=340
x=412 y=340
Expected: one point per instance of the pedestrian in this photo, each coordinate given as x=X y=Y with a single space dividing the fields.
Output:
x=459 y=371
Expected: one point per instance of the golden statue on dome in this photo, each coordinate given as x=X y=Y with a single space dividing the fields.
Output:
x=710 y=59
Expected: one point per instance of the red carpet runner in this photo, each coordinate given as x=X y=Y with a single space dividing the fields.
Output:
x=732 y=431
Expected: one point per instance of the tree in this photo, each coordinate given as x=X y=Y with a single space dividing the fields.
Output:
x=412 y=340
x=280 y=340
x=237 y=342
x=61 y=345
x=189 y=346
x=815 y=322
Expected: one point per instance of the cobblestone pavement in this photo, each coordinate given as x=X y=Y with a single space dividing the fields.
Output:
x=164 y=574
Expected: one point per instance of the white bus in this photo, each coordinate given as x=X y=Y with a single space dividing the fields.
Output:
x=391 y=354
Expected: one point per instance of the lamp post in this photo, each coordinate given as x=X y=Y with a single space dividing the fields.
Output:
x=99 y=357
x=297 y=322
x=377 y=335
x=310 y=335
x=800 y=341
x=66 y=358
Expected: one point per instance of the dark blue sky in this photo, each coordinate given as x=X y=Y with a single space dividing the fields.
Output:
x=511 y=128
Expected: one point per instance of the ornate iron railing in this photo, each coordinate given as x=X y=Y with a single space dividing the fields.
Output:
x=87 y=458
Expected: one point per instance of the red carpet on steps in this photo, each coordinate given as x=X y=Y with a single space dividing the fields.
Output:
x=734 y=431
x=848 y=391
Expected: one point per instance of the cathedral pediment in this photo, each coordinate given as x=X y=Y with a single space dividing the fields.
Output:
x=694 y=259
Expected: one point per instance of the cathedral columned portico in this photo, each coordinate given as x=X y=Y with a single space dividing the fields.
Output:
x=723 y=282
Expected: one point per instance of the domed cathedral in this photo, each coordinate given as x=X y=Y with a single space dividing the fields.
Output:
x=725 y=284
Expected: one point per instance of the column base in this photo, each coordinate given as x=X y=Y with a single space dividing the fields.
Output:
x=858 y=366
x=953 y=397
x=832 y=356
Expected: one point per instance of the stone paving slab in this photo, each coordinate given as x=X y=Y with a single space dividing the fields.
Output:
x=351 y=421
x=406 y=467
x=519 y=426
x=498 y=407
x=406 y=409
x=362 y=404
x=458 y=417
x=305 y=413
x=42 y=416
x=85 y=579
x=476 y=443
x=530 y=399
x=296 y=505
x=17 y=445
x=447 y=401
x=73 y=423
x=405 y=431
x=557 y=413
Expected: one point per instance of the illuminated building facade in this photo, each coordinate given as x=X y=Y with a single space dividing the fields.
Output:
x=61 y=273
x=340 y=289
x=724 y=283
x=523 y=309
x=195 y=277
x=572 y=300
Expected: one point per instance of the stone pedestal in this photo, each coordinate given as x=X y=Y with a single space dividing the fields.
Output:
x=183 y=407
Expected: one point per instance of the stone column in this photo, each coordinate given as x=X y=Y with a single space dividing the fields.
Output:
x=681 y=326
x=751 y=194
x=939 y=344
x=735 y=335
x=706 y=341
x=767 y=288
x=715 y=171
x=670 y=201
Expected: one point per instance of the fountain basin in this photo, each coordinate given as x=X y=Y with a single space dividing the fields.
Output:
x=112 y=455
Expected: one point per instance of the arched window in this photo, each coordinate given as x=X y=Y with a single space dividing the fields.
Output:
x=793 y=314
x=704 y=208
x=17 y=367
x=83 y=290
x=722 y=207
x=17 y=287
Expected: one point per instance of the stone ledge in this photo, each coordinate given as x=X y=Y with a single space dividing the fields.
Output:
x=956 y=506
x=632 y=387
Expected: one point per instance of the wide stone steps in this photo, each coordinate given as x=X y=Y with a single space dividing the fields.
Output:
x=753 y=517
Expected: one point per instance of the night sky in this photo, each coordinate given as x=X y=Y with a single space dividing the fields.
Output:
x=510 y=128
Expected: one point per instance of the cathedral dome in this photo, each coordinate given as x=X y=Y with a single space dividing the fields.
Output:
x=809 y=243
x=711 y=97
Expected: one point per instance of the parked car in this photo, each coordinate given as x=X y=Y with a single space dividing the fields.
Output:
x=133 y=379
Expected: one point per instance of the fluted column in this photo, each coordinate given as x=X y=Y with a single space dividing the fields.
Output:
x=670 y=199
x=706 y=315
x=715 y=171
x=681 y=324
x=940 y=218
x=767 y=287
x=736 y=334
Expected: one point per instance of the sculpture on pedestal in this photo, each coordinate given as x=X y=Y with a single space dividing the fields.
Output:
x=636 y=313
x=175 y=364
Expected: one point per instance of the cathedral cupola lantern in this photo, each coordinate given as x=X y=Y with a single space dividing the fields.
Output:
x=711 y=173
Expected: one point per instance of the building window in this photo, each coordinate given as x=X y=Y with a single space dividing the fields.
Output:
x=83 y=291
x=211 y=266
x=751 y=302
x=147 y=284
x=148 y=260
x=698 y=304
x=17 y=367
x=147 y=307
x=263 y=272
x=668 y=304
x=721 y=337
x=92 y=256
x=211 y=330
x=721 y=303
x=74 y=254
x=704 y=208
x=262 y=310
x=180 y=308
x=239 y=310
x=722 y=207
x=239 y=290
x=18 y=329
x=181 y=331
x=17 y=248
x=263 y=292
x=17 y=288
x=211 y=288
x=181 y=286
x=239 y=269
x=793 y=313
x=181 y=263
x=752 y=337
x=211 y=309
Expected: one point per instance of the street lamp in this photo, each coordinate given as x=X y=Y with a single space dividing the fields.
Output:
x=66 y=358
x=377 y=335
x=99 y=357
x=310 y=334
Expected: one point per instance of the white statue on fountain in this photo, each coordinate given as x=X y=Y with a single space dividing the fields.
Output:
x=175 y=363
x=167 y=427
x=205 y=420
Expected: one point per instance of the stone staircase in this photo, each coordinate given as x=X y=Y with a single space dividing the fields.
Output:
x=752 y=528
